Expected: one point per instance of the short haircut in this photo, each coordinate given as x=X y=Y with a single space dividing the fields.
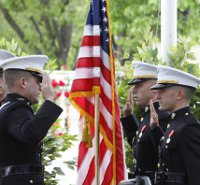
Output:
x=11 y=76
x=188 y=91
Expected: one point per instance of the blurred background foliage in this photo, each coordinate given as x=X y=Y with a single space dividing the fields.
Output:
x=55 y=27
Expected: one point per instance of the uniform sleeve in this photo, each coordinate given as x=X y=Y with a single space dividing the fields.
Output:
x=130 y=126
x=157 y=133
x=26 y=127
x=190 y=149
x=164 y=118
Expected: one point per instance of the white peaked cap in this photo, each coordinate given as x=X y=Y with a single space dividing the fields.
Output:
x=34 y=63
x=168 y=76
x=4 y=55
x=143 y=71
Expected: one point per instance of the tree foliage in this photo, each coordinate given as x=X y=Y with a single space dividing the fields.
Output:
x=55 y=27
x=132 y=21
x=44 y=26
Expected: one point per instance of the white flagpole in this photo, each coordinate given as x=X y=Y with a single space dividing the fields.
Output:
x=96 y=122
x=168 y=27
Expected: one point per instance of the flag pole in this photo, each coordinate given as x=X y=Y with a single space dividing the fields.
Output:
x=168 y=27
x=96 y=122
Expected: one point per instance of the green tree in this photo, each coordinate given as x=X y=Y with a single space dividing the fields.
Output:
x=132 y=21
x=55 y=27
x=44 y=26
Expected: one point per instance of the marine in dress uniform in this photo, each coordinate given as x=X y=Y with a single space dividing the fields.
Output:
x=22 y=131
x=179 y=160
x=4 y=54
x=140 y=135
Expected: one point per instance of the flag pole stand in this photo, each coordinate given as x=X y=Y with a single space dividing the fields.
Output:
x=96 y=122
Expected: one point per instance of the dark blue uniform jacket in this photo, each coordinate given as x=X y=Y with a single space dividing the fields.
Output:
x=144 y=140
x=21 y=131
x=180 y=148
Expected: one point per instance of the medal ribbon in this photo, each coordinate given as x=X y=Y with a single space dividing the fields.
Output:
x=171 y=133
x=143 y=128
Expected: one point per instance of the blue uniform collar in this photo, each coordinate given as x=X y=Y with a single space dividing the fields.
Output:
x=16 y=97
x=180 y=112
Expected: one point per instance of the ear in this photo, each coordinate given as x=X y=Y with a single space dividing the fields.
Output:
x=180 y=94
x=22 y=83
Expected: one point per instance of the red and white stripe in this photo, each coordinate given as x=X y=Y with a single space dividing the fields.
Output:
x=93 y=69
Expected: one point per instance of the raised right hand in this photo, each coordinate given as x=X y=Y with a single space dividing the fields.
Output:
x=46 y=88
x=153 y=115
x=128 y=108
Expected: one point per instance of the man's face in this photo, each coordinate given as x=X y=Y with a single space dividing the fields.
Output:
x=167 y=98
x=2 y=89
x=142 y=93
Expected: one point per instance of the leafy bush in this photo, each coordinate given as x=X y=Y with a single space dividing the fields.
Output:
x=55 y=143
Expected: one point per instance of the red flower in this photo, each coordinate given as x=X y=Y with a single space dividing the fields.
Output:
x=64 y=66
x=58 y=94
x=67 y=94
x=61 y=83
x=54 y=83
x=60 y=134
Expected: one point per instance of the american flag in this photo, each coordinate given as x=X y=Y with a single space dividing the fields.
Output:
x=95 y=74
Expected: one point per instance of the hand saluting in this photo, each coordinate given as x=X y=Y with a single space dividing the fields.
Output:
x=128 y=108
x=153 y=115
x=46 y=88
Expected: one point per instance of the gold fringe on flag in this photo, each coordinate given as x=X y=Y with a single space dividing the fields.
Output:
x=89 y=144
x=96 y=90
x=86 y=133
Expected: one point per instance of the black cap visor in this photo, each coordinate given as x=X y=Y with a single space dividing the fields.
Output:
x=35 y=74
x=135 y=81
x=160 y=86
